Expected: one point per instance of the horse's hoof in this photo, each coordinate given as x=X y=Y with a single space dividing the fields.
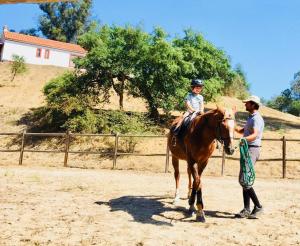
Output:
x=200 y=218
x=191 y=212
x=176 y=200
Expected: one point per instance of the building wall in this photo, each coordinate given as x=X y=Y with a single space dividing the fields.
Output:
x=56 y=57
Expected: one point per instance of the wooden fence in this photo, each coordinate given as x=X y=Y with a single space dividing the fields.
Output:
x=67 y=136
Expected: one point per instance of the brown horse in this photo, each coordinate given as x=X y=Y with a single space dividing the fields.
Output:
x=197 y=146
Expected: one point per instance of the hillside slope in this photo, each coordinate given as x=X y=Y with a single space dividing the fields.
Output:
x=25 y=92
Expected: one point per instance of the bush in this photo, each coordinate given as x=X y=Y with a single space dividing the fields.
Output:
x=18 y=66
x=212 y=89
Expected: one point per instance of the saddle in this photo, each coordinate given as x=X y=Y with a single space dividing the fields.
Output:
x=180 y=131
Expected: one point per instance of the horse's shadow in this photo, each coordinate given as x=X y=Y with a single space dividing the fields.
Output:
x=155 y=210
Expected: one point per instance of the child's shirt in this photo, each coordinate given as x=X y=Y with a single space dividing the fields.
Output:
x=196 y=101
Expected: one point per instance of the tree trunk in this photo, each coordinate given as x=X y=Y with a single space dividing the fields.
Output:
x=119 y=89
x=154 y=114
x=13 y=76
x=121 y=95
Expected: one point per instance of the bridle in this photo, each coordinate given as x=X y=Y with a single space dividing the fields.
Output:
x=219 y=137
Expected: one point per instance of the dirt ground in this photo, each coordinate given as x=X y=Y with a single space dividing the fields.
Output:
x=50 y=206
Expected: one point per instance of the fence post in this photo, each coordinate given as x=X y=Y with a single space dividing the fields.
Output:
x=223 y=160
x=283 y=157
x=116 y=150
x=22 y=148
x=67 y=148
x=167 y=159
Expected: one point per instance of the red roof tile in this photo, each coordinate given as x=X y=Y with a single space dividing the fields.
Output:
x=22 y=38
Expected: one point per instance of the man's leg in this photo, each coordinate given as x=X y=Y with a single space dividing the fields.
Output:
x=245 y=212
x=254 y=154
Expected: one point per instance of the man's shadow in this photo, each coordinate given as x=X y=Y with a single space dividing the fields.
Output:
x=145 y=209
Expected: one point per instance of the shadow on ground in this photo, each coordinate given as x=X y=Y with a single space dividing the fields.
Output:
x=155 y=210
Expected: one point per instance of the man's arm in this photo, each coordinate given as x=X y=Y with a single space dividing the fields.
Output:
x=239 y=130
x=252 y=136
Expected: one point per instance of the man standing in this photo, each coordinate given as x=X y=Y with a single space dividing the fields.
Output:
x=252 y=132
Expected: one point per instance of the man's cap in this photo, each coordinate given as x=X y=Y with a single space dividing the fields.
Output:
x=254 y=99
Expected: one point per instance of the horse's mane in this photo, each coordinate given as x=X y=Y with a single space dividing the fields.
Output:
x=202 y=119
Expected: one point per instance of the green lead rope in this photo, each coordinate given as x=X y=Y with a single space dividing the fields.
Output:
x=246 y=164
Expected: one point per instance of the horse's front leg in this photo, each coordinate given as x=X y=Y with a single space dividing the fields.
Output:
x=175 y=163
x=200 y=213
x=194 y=171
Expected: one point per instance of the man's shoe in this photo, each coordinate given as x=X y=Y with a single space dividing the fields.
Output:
x=245 y=213
x=257 y=211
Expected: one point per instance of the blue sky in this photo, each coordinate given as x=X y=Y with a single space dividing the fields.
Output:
x=262 y=35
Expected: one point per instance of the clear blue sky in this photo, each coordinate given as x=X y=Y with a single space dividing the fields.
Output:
x=262 y=35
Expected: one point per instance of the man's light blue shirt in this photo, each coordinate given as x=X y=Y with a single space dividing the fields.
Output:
x=256 y=121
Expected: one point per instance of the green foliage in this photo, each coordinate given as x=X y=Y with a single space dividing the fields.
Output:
x=213 y=88
x=87 y=122
x=159 y=76
x=295 y=108
x=30 y=31
x=289 y=100
x=295 y=86
x=113 y=54
x=205 y=61
x=65 y=21
x=128 y=122
x=152 y=67
x=237 y=86
x=18 y=66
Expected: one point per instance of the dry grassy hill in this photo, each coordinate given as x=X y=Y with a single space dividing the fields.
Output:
x=25 y=92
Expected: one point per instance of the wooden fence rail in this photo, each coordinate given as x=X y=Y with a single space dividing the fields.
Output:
x=68 y=136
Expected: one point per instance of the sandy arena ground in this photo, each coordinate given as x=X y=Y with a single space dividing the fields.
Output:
x=52 y=206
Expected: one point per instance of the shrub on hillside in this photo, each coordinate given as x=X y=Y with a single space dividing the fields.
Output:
x=18 y=66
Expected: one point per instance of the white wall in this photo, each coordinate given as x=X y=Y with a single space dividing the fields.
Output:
x=57 y=57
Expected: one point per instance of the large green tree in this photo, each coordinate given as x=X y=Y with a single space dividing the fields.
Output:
x=208 y=63
x=114 y=53
x=150 y=66
x=160 y=74
x=65 y=21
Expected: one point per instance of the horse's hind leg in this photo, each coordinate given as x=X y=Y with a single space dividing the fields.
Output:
x=190 y=186
x=175 y=163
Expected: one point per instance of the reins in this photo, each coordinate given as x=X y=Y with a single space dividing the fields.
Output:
x=246 y=164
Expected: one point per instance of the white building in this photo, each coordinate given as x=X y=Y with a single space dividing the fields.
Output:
x=39 y=51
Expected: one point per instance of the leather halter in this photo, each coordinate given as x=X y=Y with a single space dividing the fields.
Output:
x=219 y=137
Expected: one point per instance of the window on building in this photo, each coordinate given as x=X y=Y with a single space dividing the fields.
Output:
x=47 y=54
x=38 y=52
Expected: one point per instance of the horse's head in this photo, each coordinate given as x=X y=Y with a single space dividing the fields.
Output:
x=225 y=128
